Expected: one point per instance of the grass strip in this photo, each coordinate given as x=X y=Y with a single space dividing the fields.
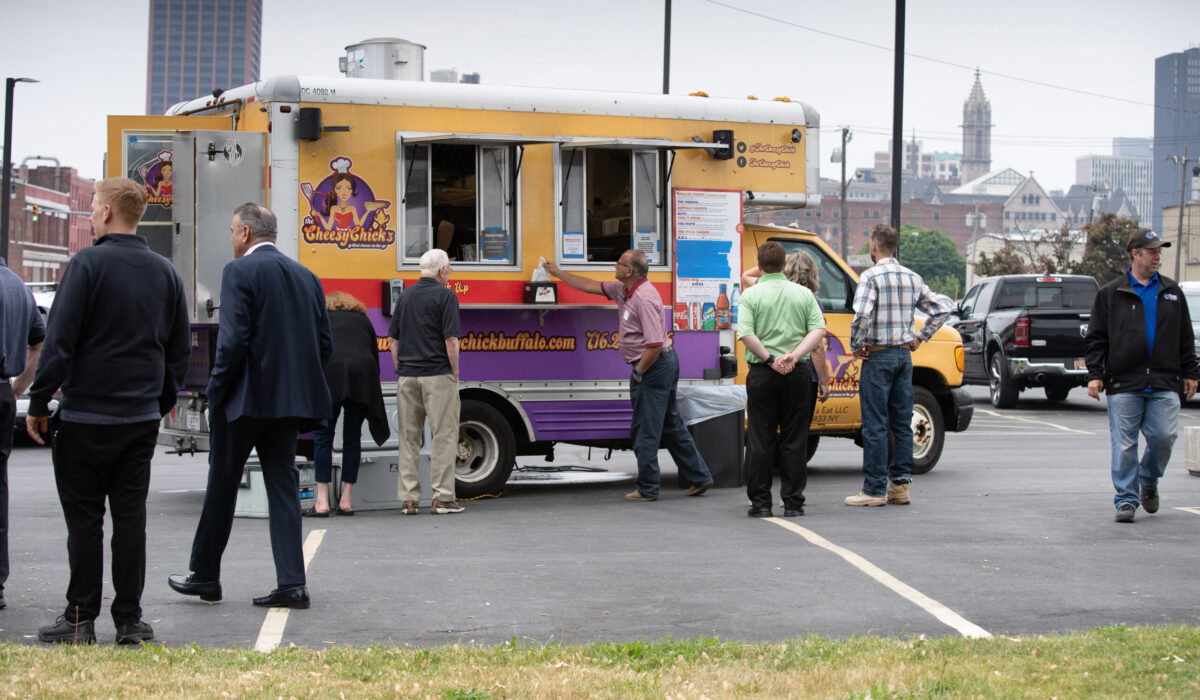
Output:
x=1110 y=662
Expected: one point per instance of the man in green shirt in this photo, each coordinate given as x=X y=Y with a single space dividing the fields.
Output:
x=780 y=323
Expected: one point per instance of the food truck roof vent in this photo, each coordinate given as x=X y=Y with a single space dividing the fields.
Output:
x=385 y=59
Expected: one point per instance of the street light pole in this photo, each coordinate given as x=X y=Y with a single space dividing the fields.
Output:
x=1183 y=162
x=6 y=186
x=845 y=183
x=973 y=219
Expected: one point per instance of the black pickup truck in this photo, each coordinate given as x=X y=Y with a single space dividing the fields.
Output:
x=1023 y=331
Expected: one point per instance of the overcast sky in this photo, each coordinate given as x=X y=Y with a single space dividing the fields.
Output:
x=91 y=60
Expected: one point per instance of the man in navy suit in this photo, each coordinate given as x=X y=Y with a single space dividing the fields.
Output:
x=267 y=385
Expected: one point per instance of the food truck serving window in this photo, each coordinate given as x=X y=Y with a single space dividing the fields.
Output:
x=458 y=192
x=612 y=197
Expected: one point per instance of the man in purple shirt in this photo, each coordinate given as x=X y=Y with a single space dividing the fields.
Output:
x=642 y=341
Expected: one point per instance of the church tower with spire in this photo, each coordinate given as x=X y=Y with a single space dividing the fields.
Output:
x=977 y=134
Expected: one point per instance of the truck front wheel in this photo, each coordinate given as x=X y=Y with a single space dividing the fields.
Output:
x=1003 y=390
x=486 y=450
x=928 y=429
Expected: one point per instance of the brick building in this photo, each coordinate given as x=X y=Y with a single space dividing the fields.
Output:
x=38 y=251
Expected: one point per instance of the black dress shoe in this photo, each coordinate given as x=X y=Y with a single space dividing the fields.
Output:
x=65 y=631
x=3 y=605
x=793 y=512
x=294 y=597
x=760 y=512
x=134 y=632
x=188 y=585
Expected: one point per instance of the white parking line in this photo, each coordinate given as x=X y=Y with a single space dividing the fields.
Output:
x=1035 y=422
x=271 y=633
x=929 y=605
x=1195 y=511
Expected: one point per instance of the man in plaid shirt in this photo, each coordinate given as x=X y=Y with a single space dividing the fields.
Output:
x=881 y=334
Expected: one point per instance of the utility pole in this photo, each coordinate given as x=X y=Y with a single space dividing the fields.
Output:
x=898 y=116
x=840 y=155
x=667 y=51
x=1183 y=188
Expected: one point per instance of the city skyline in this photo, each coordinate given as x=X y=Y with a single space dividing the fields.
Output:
x=827 y=57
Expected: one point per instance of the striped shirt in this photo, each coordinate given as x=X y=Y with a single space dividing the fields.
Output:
x=884 y=302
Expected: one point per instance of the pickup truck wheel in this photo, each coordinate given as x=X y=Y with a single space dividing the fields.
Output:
x=486 y=450
x=928 y=429
x=1057 y=393
x=1003 y=390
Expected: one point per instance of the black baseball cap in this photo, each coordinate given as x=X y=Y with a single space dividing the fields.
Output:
x=1146 y=238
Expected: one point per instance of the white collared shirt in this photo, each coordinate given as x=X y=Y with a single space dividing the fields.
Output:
x=256 y=246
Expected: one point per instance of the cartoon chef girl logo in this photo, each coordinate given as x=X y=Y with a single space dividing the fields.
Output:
x=157 y=178
x=343 y=211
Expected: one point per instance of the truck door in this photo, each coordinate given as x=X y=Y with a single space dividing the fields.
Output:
x=969 y=324
x=195 y=180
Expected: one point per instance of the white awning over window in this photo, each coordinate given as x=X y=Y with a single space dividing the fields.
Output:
x=474 y=139
x=634 y=143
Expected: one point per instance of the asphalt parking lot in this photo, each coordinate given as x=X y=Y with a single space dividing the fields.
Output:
x=1012 y=533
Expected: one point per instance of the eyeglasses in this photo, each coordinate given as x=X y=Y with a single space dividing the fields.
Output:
x=624 y=265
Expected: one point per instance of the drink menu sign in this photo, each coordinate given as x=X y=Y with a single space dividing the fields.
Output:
x=708 y=258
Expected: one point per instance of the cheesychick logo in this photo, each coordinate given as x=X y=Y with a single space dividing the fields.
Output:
x=157 y=178
x=844 y=369
x=343 y=211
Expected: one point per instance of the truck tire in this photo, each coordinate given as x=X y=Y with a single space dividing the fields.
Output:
x=486 y=451
x=1003 y=391
x=929 y=430
x=1057 y=393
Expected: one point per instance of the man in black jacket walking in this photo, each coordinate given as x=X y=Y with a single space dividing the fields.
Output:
x=118 y=344
x=1139 y=348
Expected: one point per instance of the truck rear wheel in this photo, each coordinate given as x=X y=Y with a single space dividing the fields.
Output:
x=1057 y=393
x=928 y=429
x=486 y=451
x=1004 y=392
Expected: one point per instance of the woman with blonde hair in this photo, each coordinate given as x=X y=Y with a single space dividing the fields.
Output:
x=353 y=377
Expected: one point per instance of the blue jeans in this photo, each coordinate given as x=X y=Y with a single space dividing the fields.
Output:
x=1153 y=414
x=885 y=397
x=656 y=419
x=351 y=444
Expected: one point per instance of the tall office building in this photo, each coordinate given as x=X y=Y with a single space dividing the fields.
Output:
x=1176 y=123
x=200 y=45
x=1130 y=168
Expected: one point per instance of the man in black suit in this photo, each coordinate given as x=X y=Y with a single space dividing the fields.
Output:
x=267 y=385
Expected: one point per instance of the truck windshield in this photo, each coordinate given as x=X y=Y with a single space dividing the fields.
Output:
x=1055 y=293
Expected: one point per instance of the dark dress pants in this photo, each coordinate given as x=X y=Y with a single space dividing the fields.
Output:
x=656 y=421
x=779 y=415
x=8 y=414
x=230 y=445
x=92 y=463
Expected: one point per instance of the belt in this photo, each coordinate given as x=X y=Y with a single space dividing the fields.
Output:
x=665 y=351
x=874 y=348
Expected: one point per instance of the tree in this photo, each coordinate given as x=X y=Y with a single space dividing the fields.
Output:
x=1105 y=256
x=1005 y=261
x=932 y=255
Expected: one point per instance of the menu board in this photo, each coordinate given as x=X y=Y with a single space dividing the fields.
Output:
x=708 y=258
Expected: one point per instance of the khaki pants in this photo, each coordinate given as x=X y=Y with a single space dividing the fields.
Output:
x=435 y=398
